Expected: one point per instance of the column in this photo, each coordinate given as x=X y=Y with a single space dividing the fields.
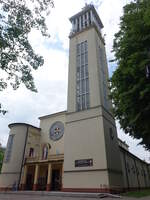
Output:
x=91 y=15
x=36 y=177
x=80 y=27
x=83 y=18
x=23 y=181
x=62 y=176
x=48 y=187
x=76 y=24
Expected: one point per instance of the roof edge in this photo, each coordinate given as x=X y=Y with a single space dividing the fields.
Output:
x=23 y=124
x=53 y=114
x=136 y=157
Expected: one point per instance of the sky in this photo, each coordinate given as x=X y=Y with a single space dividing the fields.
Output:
x=51 y=79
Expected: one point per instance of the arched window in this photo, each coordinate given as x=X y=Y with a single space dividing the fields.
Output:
x=45 y=152
x=31 y=152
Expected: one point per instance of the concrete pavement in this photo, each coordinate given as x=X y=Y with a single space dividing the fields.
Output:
x=60 y=196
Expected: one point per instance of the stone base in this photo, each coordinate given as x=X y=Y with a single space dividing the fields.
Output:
x=48 y=187
x=6 y=189
x=35 y=187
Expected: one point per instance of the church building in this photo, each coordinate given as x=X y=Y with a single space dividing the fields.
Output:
x=76 y=150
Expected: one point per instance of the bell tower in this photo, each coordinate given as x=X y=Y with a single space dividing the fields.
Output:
x=92 y=160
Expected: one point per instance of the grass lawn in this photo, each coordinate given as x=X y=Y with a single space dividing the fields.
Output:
x=138 y=194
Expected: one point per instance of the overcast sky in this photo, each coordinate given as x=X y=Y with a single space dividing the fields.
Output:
x=51 y=79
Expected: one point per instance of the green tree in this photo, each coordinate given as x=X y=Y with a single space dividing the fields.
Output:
x=130 y=83
x=17 y=57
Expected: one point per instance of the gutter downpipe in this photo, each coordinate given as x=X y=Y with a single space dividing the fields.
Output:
x=23 y=157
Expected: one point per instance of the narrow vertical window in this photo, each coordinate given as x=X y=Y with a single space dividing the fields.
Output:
x=103 y=76
x=82 y=77
x=45 y=153
x=89 y=16
x=111 y=133
x=77 y=24
x=85 y=19
x=9 y=148
x=74 y=25
x=31 y=152
x=81 y=21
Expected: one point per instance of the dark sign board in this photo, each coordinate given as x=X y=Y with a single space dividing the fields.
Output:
x=84 y=163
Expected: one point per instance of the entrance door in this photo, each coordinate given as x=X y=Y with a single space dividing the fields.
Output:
x=29 y=182
x=56 y=180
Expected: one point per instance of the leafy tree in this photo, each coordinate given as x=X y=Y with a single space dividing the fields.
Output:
x=17 y=57
x=130 y=83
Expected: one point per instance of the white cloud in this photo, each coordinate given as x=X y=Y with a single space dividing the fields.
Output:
x=134 y=146
x=51 y=79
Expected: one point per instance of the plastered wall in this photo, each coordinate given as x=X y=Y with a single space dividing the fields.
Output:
x=57 y=147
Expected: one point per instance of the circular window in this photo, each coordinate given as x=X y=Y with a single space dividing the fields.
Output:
x=56 y=131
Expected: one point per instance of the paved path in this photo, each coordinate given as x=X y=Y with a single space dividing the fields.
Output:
x=19 y=196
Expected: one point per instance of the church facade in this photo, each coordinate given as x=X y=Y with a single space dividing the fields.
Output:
x=78 y=149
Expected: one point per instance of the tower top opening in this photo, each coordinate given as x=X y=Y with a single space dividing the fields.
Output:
x=85 y=18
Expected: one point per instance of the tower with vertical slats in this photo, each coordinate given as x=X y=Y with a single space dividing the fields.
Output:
x=91 y=152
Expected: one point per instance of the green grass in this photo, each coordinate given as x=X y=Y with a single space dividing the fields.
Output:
x=138 y=194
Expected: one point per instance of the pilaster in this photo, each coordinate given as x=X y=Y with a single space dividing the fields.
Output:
x=48 y=187
x=36 y=177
